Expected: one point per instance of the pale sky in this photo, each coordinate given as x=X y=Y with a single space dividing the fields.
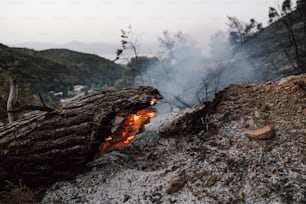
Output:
x=62 y=21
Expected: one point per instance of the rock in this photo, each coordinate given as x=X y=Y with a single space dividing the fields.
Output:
x=257 y=114
x=250 y=124
x=156 y=198
x=126 y=198
x=263 y=133
x=172 y=200
x=212 y=180
x=286 y=160
x=214 y=195
x=241 y=196
x=295 y=152
x=176 y=184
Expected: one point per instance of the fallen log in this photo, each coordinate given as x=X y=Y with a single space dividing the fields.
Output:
x=56 y=145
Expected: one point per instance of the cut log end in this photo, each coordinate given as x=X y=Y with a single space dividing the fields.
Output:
x=263 y=133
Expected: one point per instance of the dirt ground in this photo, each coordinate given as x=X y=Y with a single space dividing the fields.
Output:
x=220 y=164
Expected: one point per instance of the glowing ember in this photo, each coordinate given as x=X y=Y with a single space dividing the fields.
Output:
x=125 y=127
x=109 y=138
x=136 y=117
x=153 y=101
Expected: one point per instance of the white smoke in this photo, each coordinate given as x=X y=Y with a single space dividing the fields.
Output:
x=186 y=78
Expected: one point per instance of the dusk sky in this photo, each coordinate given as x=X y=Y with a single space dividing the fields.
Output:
x=62 y=21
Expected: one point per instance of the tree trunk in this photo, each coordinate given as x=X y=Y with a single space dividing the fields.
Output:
x=55 y=146
x=12 y=99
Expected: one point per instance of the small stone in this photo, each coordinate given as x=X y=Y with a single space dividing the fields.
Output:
x=250 y=124
x=214 y=195
x=156 y=198
x=286 y=160
x=257 y=114
x=293 y=131
x=263 y=133
x=212 y=180
x=300 y=109
x=176 y=184
x=197 y=194
x=126 y=198
x=241 y=196
x=172 y=200
x=296 y=152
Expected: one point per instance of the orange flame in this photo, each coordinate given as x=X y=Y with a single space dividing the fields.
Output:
x=125 y=128
x=153 y=101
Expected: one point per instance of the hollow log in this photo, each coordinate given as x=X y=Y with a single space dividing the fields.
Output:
x=54 y=146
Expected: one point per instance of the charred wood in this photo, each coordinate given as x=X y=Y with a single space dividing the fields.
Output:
x=196 y=121
x=56 y=145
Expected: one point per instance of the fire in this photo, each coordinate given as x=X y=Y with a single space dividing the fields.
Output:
x=109 y=138
x=125 y=127
x=153 y=101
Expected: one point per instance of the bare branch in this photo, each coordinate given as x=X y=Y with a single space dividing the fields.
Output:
x=182 y=102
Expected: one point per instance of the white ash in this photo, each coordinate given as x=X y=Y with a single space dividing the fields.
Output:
x=224 y=166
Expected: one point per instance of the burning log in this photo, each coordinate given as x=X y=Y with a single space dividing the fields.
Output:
x=55 y=146
x=125 y=127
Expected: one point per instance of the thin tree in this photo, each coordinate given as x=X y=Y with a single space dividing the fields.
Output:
x=12 y=107
x=237 y=26
x=130 y=42
x=7 y=68
x=283 y=16
x=301 y=7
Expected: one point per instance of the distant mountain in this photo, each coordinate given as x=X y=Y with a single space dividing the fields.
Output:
x=106 y=50
x=102 y=49
x=52 y=71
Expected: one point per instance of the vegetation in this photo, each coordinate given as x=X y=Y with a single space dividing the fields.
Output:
x=129 y=46
x=284 y=17
x=19 y=193
x=58 y=70
x=52 y=71
x=243 y=31
x=135 y=71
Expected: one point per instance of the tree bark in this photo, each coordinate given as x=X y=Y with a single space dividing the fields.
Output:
x=53 y=146
x=12 y=99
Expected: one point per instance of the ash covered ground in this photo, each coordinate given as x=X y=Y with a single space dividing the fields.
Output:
x=220 y=164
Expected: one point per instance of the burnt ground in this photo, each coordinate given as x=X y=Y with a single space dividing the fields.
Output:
x=220 y=164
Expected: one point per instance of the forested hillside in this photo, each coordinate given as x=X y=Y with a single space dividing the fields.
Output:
x=52 y=71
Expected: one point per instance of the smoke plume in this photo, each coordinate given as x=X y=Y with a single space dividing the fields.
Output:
x=186 y=78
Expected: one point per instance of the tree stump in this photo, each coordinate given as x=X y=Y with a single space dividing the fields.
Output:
x=54 y=146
